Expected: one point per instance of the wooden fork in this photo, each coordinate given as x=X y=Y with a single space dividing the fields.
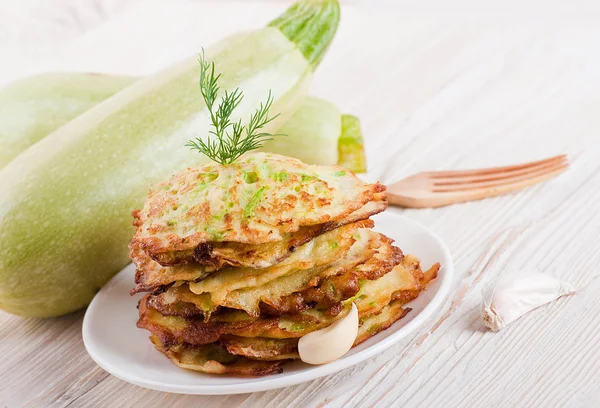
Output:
x=439 y=188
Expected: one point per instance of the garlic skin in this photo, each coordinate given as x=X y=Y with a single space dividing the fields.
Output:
x=332 y=342
x=512 y=296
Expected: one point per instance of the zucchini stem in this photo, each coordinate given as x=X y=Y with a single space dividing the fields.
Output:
x=311 y=25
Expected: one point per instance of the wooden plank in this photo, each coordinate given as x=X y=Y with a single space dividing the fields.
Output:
x=433 y=92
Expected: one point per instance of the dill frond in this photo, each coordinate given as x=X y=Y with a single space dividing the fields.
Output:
x=229 y=140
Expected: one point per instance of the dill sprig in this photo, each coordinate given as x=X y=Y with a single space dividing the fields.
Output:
x=231 y=139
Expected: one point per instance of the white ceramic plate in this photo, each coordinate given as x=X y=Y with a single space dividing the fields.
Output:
x=119 y=347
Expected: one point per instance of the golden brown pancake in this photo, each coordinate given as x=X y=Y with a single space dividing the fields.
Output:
x=214 y=359
x=402 y=284
x=256 y=200
x=150 y=275
x=371 y=256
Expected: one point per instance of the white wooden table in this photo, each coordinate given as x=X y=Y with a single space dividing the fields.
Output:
x=436 y=89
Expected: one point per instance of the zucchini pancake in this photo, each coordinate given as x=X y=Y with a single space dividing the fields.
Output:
x=242 y=260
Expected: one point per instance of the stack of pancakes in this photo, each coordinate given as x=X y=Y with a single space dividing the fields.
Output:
x=242 y=260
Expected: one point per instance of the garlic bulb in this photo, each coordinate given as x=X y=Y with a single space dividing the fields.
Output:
x=512 y=296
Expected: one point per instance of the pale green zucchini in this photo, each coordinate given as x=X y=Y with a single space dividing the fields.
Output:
x=41 y=104
x=35 y=106
x=65 y=202
x=351 y=147
x=311 y=134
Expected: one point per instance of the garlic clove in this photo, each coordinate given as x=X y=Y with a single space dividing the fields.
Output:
x=329 y=344
x=512 y=296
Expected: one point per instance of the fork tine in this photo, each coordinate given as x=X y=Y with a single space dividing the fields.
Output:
x=501 y=175
x=506 y=184
x=491 y=170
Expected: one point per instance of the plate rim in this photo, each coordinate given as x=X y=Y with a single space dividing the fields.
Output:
x=273 y=382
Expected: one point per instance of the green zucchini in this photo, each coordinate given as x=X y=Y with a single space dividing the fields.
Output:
x=65 y=202
x=40 y=104
x=35 y=106
x=351 y=147
x=311 y=134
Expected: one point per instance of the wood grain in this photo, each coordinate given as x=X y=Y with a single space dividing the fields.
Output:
x=435 y=90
